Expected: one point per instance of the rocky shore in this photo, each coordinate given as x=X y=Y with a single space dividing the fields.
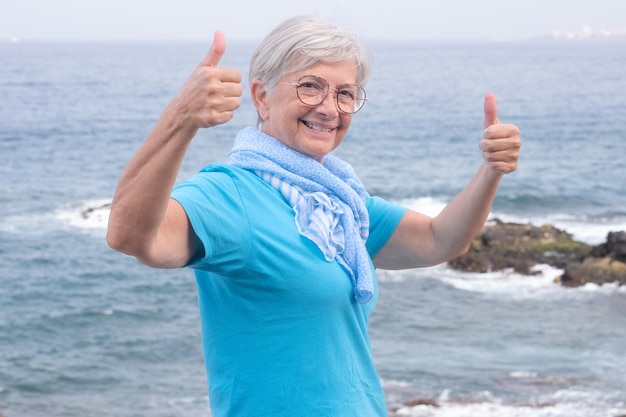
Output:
x=518 y=247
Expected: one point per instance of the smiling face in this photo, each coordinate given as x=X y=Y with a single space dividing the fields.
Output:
x=311 y=130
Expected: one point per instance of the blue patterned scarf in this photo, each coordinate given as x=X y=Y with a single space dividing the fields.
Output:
x=328 y=199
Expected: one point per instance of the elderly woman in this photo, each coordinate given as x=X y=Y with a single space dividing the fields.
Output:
x=284 y=239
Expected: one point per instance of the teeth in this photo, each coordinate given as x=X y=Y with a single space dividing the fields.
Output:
x=318 y=127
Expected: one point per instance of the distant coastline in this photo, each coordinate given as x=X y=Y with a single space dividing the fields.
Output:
x=587 y=33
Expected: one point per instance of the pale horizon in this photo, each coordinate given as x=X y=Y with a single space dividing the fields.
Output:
x=191 y=20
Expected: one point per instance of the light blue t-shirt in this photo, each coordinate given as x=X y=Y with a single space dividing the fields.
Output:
x=282 y=332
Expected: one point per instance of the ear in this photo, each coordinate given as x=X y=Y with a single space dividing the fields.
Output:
x=259 y=97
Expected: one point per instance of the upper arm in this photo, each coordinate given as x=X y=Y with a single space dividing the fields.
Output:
x=175 y=243
x=410 y=246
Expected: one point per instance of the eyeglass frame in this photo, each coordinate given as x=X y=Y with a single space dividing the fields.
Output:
x=297 y=85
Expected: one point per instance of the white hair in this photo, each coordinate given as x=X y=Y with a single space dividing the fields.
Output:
x=302 y=42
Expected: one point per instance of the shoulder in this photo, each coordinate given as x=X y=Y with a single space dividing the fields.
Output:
x=223 y=177
x=381 y=210
x=219 y=203
x=384 y=219
x=224 y=173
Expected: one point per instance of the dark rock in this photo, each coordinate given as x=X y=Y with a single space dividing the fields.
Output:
x=594 y=270
x=615 y=247
x=500 y=246
x=519 y=247
x=89 y=211
x=431 y=402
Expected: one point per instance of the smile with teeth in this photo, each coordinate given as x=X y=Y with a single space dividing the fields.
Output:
x=318 y=127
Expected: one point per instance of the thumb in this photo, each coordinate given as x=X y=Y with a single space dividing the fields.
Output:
x=491 y=110
x=216 y=52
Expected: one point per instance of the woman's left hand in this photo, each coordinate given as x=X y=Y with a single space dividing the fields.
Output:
x=501 y=141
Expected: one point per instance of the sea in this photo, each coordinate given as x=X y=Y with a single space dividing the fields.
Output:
x=86 y=331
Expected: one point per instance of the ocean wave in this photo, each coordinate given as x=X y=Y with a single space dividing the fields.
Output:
x=490 y=409
x=94 y=214
x=429 y=206
x=506 y=282
x=502 y=283
x=524 y=286
x=547 y=402
x=91 y=215
x=591 y=230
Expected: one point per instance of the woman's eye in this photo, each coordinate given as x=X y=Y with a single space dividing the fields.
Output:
x=346 y=94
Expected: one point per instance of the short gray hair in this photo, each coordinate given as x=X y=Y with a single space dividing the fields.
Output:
x=302 y=42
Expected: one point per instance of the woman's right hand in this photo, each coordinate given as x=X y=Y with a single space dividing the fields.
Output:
x=211 y=94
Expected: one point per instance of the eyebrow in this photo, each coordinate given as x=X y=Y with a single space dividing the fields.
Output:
x=322 y=78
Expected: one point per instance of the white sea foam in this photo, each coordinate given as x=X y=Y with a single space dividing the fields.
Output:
x=91 y=214
x=518 y=286
x=564 y=403
x=503 y=410
x=592 y=231
x=29 y=223
x=502 y=283
x=604 y=288
x=427 y=205
x=523 y=374
x=506 y=282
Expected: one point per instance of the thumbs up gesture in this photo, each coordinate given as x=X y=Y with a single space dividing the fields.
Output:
x=501 y=142
x=212 y=93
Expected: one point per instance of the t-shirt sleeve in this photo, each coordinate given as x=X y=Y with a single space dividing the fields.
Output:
x=384 y=218
x=218 y=217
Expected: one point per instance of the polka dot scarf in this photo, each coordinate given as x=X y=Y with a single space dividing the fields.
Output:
x=328 y=200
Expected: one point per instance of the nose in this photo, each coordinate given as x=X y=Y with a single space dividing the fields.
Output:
x=328 y=106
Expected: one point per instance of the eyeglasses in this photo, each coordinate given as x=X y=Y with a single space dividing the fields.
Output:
x=312 y=91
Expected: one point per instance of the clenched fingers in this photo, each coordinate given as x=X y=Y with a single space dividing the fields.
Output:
x=500 y=146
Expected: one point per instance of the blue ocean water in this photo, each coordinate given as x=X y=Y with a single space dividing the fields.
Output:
x=85 y=331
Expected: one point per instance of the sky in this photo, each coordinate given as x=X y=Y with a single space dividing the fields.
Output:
x=119 y=20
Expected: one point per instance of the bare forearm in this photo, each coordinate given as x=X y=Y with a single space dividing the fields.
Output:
x=462 y=219
x=143 y=191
